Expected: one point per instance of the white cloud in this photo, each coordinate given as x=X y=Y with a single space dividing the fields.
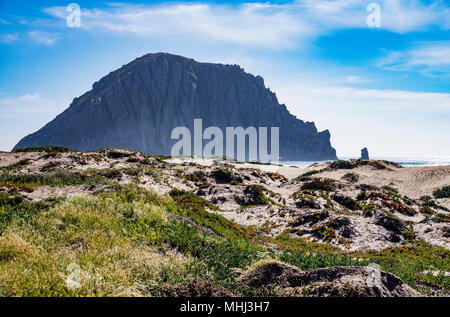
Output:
x=354 y=80
x=249 y=24
x=11 y=107
x=42 y=37
x=5 y=22
x=258 y=24
x=24 y=114
x=388 y=122
x=429 y=58
x=9 y=38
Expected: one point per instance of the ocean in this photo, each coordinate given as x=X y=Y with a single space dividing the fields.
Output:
x=404 y=161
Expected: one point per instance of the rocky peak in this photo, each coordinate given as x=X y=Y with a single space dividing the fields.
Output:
x=138 y=105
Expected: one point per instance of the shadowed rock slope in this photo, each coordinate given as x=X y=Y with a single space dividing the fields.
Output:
x=138 y=105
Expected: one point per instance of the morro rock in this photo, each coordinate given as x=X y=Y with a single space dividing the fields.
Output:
x=138 y=105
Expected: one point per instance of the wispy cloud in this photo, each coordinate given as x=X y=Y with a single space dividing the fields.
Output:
x=388 y=122
x=42 y=37
x=9 y=38
x=430 y=58
x=342 y=97
x=354 y=80
x=23 y=114
x=249 y=24
x=28 y=104
x=259 y=24
x=4 y=22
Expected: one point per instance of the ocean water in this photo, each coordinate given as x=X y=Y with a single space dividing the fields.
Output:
x=404 y=161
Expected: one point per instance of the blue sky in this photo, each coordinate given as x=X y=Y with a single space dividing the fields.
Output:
x=387 y=88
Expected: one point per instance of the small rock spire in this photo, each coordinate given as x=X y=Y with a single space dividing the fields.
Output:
x=364 y=154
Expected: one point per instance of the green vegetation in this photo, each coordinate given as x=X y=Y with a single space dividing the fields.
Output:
x=362 y=195
x=60 y=178
x=347 y=202
x=399 y=207
x=307 y=261
x=367 y=210
x=443 y=192
x=326 y=184
x=305 y=176
x=14 y=209
x=426 y=210
x=10 y=198
x=47 y=149
x=428 y=201
x=442 y=218
x=122 y=242
x=409 y=263
x=340 y=164
x=192 y=177
x=15 y=166
x=257 y=194
x=390 y=189
x=409 y=233
x=133 y=160
x=225 y=176
x=351 y=177
x=130 y=242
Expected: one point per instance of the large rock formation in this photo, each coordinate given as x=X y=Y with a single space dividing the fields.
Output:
x=138 y=105
x=365 y=154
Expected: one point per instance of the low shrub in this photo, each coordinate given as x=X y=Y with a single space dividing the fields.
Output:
x=47 y=148
x=325 y=184
x=443 y=192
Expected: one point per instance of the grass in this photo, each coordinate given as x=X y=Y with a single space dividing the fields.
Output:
x=192 y=177
x=362 y=195
x=11 y=198
x=325 y=184
x=133 y=242
x=308 y=261
x=428 y=201
x=133 y=160
x=15 y=166
x=442 y=218
x=59 y=178
x=408 y=262
x=48 y=149
x=14 y=209
x=390 y=189
x=194 y=207
x=351 y=177
x=347 y=202
x=107 y=236
x=258 y=196
x=123 y=243
x=305 y=176
x=341 y=164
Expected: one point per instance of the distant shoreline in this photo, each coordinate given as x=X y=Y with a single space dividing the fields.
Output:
x=403 y=161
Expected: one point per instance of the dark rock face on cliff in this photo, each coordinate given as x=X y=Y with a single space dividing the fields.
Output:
x=138 y=105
